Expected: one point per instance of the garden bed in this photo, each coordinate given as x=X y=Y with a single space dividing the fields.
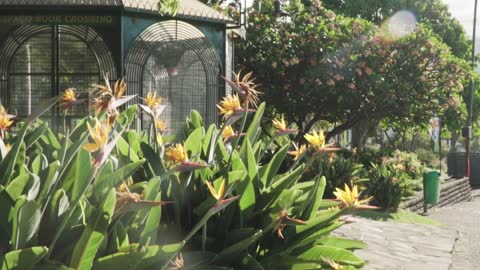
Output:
x=451 y=192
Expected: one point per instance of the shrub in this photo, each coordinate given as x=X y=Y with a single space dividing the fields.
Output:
x=387 y=185
x=408 y=163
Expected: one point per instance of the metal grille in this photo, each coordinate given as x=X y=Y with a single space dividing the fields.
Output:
x=176 y=60
x=38 y=62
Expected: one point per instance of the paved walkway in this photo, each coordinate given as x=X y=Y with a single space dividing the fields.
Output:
x=465 y=217
x=394 y=245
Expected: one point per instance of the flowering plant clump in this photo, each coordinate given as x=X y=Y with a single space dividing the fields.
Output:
x=209 y=194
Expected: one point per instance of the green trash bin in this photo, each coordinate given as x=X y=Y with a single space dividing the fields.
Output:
x=431 y=187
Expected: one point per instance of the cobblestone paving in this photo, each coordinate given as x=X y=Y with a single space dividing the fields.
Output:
x=464 y=217
x=394 y=245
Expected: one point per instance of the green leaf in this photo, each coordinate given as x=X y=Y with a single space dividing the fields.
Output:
x=246 y=186
x=150 y=231
x=49 y=177
x=273 y=166
x=231 y=253
x=126 y=148
x=6 y=206
x=17 y=186
x=35 y=134
x=254 y=127
x=69 y=152
x=83 y=170
x=23 y=259
x=311 y=234
x=26 y=222
x=118 y=238
x=251 y=263
x=127 y=116
x=57 y=207
x=290 y=263
x=195 y=120
x=212 y=211
x=93 y=235
x=150 y=193
x=209 y=141
x=127 y=259
x=39 y=163
x=108 y=179
x=8 y=163
x=156 y=256
x=314 y=199
x=48 y=138
x=340 y=242
x=317 y=253
x=153 y=165
x=275 y=190
x=252 y=164
x=194 y=141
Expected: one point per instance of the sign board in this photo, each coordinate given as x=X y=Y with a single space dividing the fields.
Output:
x=56 y=19
x=434 y=131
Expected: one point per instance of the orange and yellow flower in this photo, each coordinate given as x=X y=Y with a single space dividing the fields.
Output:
x=246 y=88
x=99 y=134
x=218 y=195
x=108 y=98
x=5 y=120
x=281 y=127
x=229 y=105
x=177 y=154
x=152 y=101
x=315 y=139
x=160 y=125
x=349 y=197
x=298 y=152
x=280 y=124
x=283 y=220
x=68 y=98
x=228 y=133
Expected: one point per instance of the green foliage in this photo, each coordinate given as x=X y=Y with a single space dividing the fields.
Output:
x=433 y=13
x=408 y=163
x=339 y=169
x=435 y=16
x=129 y=205
x=345 y=69
x=387 y=185
x=168 y=7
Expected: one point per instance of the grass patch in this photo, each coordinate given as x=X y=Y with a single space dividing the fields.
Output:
x=400 y=216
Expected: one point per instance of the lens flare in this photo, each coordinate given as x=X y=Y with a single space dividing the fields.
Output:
x=401 y=24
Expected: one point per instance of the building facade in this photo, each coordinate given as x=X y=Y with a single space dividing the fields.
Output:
x=47 y=46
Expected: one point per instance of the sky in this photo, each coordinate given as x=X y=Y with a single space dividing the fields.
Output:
x=463 y=11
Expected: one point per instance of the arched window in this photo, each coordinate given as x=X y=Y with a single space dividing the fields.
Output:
x=43 y=61
x=177 y=61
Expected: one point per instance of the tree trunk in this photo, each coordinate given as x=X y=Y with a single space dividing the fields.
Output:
x=360 y=133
